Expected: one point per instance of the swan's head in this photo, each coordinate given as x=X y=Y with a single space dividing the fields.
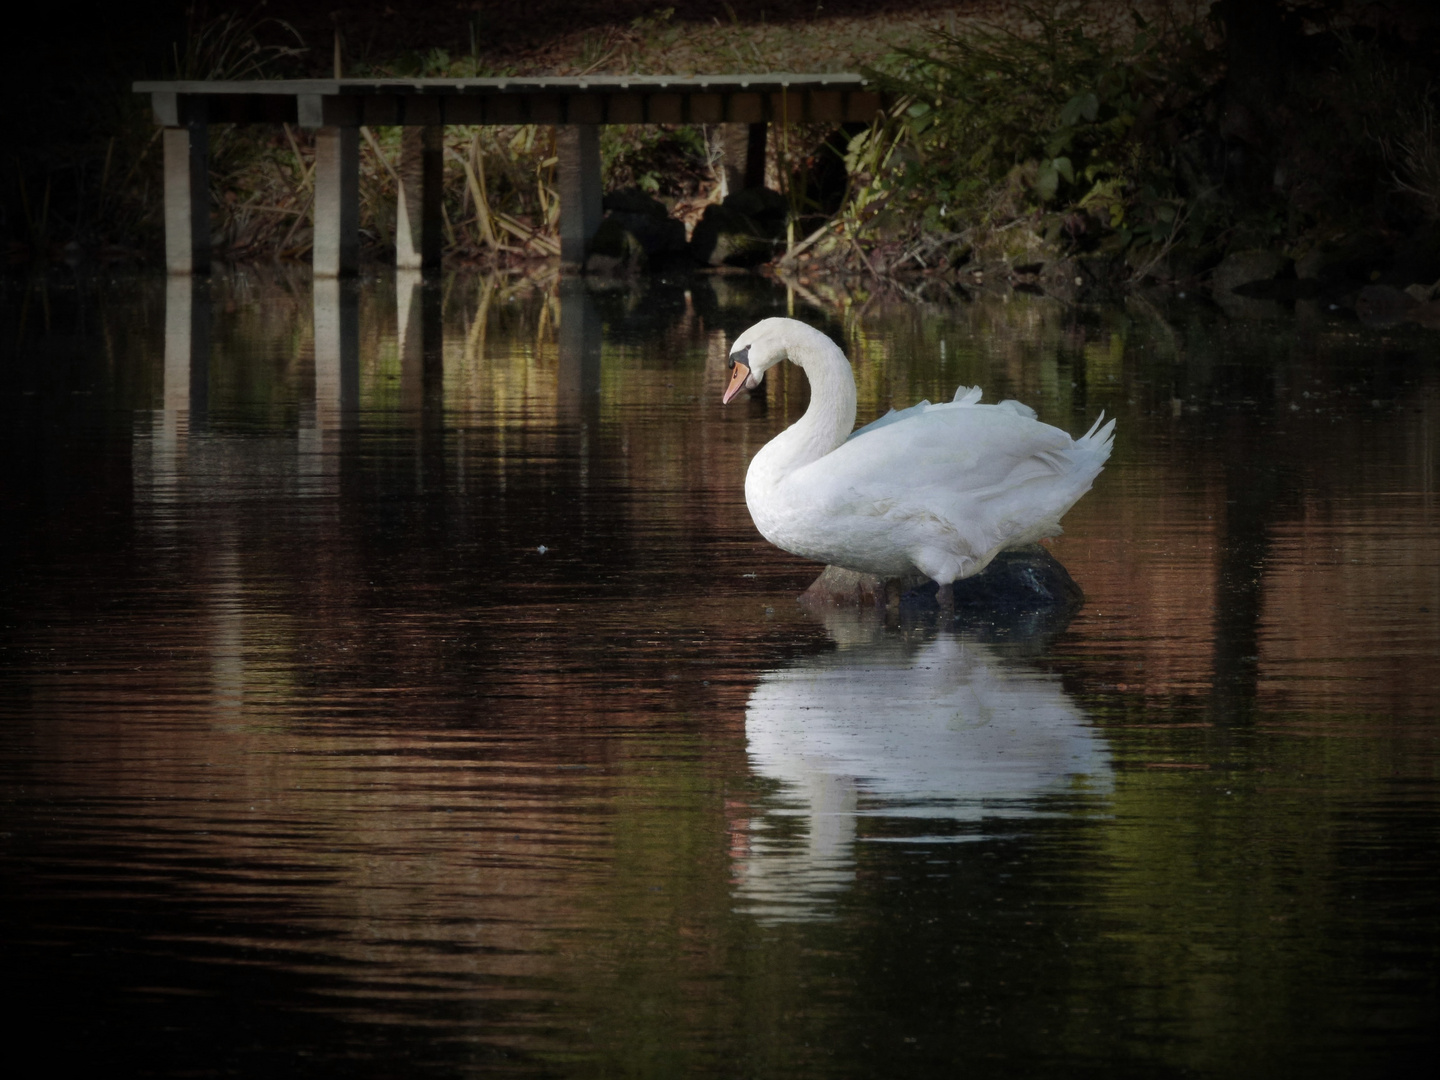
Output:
x=760 y=348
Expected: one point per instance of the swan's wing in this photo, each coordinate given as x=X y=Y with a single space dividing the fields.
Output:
x=936 y=454
x=965 y=397
x=894 y=416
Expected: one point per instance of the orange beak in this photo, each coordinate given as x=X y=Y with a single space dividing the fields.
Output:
x=738 y=374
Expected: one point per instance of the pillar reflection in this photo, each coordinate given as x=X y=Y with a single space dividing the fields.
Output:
x=187 y=345
x=581 y=334
x=337 y=378
x=186 y=389
x=419 y=333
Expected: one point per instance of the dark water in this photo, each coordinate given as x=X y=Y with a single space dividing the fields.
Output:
x=392 y=683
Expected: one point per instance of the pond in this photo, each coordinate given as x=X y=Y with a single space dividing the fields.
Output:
x=392 y=682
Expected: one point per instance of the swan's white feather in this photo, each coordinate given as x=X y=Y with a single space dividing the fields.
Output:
x=937 y=488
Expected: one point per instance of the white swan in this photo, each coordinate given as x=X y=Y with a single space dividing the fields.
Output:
x=938 y=489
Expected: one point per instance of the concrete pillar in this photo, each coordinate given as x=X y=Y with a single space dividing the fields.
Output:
x=742 y=155
x=187 y=198
x=578 y=147
x=417 y=224
x=337 y=201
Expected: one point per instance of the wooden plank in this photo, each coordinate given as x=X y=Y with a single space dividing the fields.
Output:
x=584 y=109
x=381 y=110
x=665 y=109
x=707 y=108
x=421 y=111
x=746 y=107
x=505 y=110
x=825 y=105
x=545 y=108
x=466 y=110
x=861 y=106
x=624 y=108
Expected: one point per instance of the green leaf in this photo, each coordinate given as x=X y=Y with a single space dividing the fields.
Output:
x=1059 y=142
x=1047 y=181
x=1064 y=168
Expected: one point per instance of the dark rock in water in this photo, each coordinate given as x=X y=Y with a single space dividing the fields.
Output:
x=1384 y=305
x=614 y=249
x=1245 y=268
x=1024 y=578
x=637 y=234
x=745 y=230
x=1024 y=594
x=1362 y=256
x=1020 y=579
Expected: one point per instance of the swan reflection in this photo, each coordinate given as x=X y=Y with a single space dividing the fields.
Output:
x=938 y=735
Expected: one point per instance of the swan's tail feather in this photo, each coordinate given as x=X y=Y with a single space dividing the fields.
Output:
x=967 y=395
x=1099 y=439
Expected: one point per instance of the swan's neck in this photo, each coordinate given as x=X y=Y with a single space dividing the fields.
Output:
x=827 y=422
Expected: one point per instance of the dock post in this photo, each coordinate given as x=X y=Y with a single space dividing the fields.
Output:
x=742 y=154
x=578 y=147
x=187 y=196
x=417 y=224
x=337 y=201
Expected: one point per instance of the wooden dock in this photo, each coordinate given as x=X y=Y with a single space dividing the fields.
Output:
x=337 y=108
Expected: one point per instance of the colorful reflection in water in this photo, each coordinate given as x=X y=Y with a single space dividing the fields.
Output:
x=391 y=682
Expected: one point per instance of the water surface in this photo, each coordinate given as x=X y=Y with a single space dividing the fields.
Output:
x=392 y=683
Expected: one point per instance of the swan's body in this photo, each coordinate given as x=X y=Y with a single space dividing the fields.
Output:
x=938 y=489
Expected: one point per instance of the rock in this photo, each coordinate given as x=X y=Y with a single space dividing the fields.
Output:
x=768 y=208
x=1244 y=268
x=726 y=237
x=633 y=200
x=637 y=234
x=1423 y=294
x=616 y=250
x=1021 y=579
x=1427 y=315
x=1417 y=257
x=848 y=588
x=1384 y=305
x=1361 y=256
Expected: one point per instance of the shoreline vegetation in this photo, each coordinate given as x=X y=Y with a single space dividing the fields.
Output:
x=1263 y=148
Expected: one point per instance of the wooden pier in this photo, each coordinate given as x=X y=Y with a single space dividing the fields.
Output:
x=337 y=108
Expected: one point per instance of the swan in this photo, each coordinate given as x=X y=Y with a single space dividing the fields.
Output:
x=937 y=490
